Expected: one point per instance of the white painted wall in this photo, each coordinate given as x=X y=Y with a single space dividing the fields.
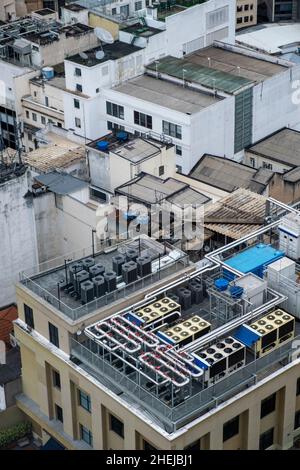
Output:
x=2 y=398
x=68 y=16
x=17 y=234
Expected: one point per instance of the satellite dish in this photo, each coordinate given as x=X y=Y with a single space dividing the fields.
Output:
x=104 y=35
x=83 y=55
x=99 y=55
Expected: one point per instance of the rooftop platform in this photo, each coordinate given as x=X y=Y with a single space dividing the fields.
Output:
x=142 y=31
x=167 y=94
x=114 y=51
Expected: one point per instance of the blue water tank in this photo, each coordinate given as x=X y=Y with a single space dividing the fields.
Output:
x=221 y=284
x=102 y=145
x=48 y=73
x=123 y=136
x=236 y=291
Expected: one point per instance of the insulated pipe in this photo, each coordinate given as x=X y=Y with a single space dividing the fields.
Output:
x=136 y=346
x=192 y=370
x=146 y=357
x=139 y=335
x=160 y=319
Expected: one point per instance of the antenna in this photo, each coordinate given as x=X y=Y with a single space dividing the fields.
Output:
x=104 y=35
x=99 y=55
x=83 y=55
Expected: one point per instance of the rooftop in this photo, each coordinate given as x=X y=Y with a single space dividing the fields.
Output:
x=167 y=94
x=151 y=189
x=114 y=51
x=282 y=146
x=230 y=175
x=45 y=12
x=7 y=316
x=135 y=149
x=218 y=68
x=143 y=31
x=271 y=38
x=61 y=183
x=74 y=7
x=11 y=370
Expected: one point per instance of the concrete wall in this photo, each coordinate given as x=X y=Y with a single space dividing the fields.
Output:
x=17 y=235
x=7 y=10
x=258 y=161
x=11 y=416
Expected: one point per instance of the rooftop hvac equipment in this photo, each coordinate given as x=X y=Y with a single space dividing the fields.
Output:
x=236 y=291
x=131 y=254
x=289 y=235
x=97 y=270
x=221 y=284
x=186 y=331
x=156 y=310
x=267 y=333
x=88 y=263
x=185 y=298
x=102 y=145
x=197 y=292
x=254 y=290
x=79 y=278
x=87 y=291
x=99 y=286
x=129 y=272
x=117 y=262
x=174 y=297
x=253 y=260
x=110 y=279
x=283 y=268
x=73 y=269
x=220 y=359
x=122 y=136
x=144 y=265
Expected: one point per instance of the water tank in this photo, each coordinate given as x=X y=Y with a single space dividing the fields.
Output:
x=102 y=145
x=122 y=136
x=117 y=262
x=131 y=254
x=99 y=286
x=221 y=284
x=48 y=73
x=144 y=265
x=96 y=270
x=87 y=291
x=110 y=279
x=129 y=272
x=79 y=278
x=88 y=263
x=236 y=291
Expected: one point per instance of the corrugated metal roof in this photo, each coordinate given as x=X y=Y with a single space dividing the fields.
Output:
x=283 y=147
x=61 y=183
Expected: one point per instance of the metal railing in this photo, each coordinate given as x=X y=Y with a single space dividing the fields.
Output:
x=196 y=405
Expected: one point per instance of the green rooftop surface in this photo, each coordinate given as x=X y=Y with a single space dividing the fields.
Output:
x=206 y=76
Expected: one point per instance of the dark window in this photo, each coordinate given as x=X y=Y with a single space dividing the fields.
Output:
x=298 y=387
x=116 y=425
x=53 y=335
x=97 y=90
x=268 y=405
x=266 y=439
x=76 y=103
x=161 y=170
x=43 y=120
x=231 y=428
x=86 y=435
x=46 y=101
x=27 y=114
x=178 y=150
x=193 y=446
x=112 y=126
x=148 y=446
x=77 y=72
x=34 y=117
x=239 y=20
x=172 y=130
x=142 y=119
x=78 y=87
x=59 y=124
x=56 y=379
x=77 y=122
x=297 y=420
x=28 y=313
x=59 y=413
x=115 y=110
x=84 y=400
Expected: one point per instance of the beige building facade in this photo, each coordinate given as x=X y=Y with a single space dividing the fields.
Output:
x=246 y=13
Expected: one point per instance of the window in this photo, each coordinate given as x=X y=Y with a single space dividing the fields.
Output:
x=53 y=335
x=84 y=400
x=297 y=420
x=86 y=435
x=246 y=19
x=78 y=87
x=267 y=165
x=142 y=120
x=77 y=122
x=138 y=6
x=266 y=439
x=46 y=101
x=231 y=428
x=27 y=114
x=77 y=72
x=193 y=446
x=179 y=169
x=148 y=446
x=30 y=137
x=298 y=387
x=56 y=379
x=116 y=425
x=268 y=405
x=35 y=94
x=112 y=126
x=115 y=110
x=43 y=120
x=239 y=20
x=161 y=170
x=172 y=130
x=178 y=150
x=76 y=103
x=59 y=413
x=113 y=11
x=59 y=124
x=246 y=7
x=97 y=90
x=28 y=314
x=34 y=117
x=252 y=162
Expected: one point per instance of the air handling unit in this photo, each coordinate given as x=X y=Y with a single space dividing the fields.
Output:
x=185 y=332
x=155 y=312
x=289 y=235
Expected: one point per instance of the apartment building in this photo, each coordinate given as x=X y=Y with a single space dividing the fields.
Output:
x=246 y=13
x=280 y=10
x=86 y=384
